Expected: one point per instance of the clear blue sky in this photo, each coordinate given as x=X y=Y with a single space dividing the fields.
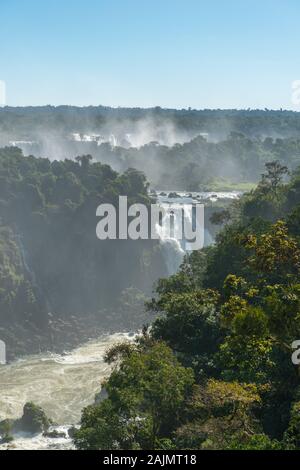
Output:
x=169 y=53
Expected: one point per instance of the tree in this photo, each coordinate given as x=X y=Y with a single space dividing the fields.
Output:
x=221 y=217
x=84 y=160
x=217 y=412
x=189 y=325
x=274 y=175
x=275 y=253
x=146 y=399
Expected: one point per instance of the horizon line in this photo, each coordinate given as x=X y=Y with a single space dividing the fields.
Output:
x=149 y=108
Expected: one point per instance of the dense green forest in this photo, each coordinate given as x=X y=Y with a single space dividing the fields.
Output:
x=199 y=165
x=186 y=150
x=52 y=266
x=253 y=123
x=214 y=370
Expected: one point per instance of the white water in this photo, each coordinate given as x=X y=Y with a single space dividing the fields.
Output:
x=173 y=249
x=61 y=384
x=23 y=441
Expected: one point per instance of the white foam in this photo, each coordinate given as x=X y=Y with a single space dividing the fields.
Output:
x=61 y=384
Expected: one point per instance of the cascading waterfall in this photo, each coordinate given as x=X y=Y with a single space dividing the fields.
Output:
x=113 y=140
x=173 y=248
x=31 y=273
x=25 y=261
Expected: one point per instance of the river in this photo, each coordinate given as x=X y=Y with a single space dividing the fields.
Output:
x=61 y=384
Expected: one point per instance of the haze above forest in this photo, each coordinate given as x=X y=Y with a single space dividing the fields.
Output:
x=178 y=149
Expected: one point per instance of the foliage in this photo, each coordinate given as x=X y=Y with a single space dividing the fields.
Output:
x=218 y=411
x=51 y=263
x=256 y=442
x=231 y=156
x=231 y=313
x=146 y=396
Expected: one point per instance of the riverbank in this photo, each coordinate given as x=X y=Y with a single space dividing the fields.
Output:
x=220 y=186
x=59 y=336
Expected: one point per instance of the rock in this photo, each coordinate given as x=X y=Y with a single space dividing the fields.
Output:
x=102 y=395
x=6 y=426
x=173 y=196
x=11 y=447
x=5 y=431
x=55 y=434
x=71 y=432
x=34 y=420
x=6 y=439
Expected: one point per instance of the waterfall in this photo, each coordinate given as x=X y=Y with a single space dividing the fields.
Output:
x=31 y=274
x=173 y=249
x=178 y=213
x=113 y=140
x=25 y=261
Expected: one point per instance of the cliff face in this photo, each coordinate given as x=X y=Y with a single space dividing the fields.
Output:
x=54 y=272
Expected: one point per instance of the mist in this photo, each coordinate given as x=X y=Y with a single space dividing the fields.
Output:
x=177 y=149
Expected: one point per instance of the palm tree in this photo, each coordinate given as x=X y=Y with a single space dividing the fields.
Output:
x=84 y=161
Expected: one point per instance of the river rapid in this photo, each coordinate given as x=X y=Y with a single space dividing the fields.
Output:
x=61 y=384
